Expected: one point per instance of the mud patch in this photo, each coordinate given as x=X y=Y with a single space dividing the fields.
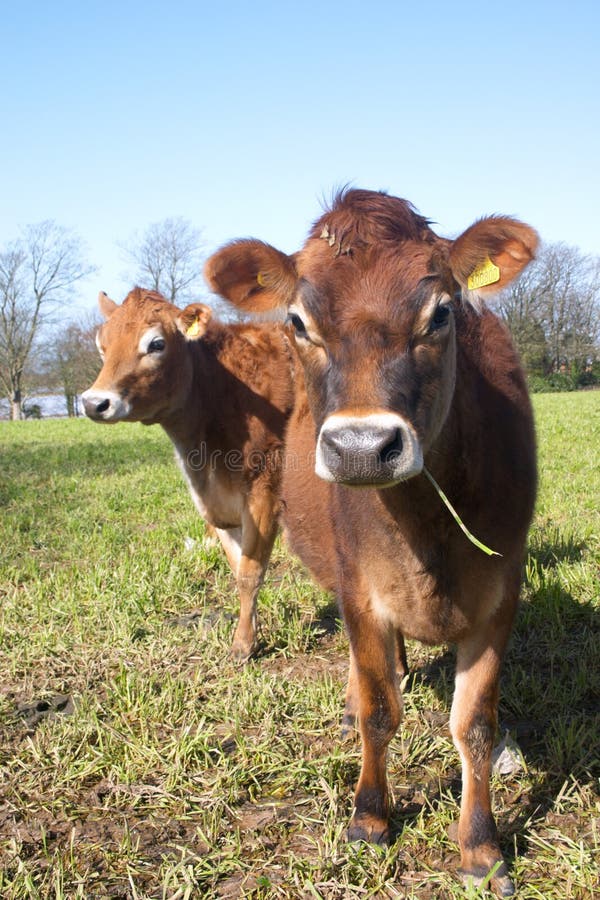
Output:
x=256 y=817
x=34 y=712
x=333 y=663
x=202 y=620
x=237 y=886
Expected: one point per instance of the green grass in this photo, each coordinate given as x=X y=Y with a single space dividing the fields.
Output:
x=174 y=774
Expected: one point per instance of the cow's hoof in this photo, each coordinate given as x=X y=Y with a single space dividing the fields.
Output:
x=240 y=654
x=348 y=729
x=370 y=830
x=497 y=878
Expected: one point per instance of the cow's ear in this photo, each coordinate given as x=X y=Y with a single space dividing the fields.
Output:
x=107 y=306
x=252 y=275
x=491 y=253
x=193 y=320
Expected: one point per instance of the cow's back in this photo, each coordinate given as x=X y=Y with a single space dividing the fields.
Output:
x=256 y=371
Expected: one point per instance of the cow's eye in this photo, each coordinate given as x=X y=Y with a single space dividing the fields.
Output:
x=440 y=317
x=156 y=345
x=298 y=325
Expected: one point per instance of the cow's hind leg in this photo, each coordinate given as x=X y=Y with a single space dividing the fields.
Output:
x=259 y=529
x=379 y=712
x=211 y=536
x=473 y=722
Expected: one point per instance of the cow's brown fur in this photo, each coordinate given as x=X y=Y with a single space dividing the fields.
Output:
x=388 y=332
x=223 y=393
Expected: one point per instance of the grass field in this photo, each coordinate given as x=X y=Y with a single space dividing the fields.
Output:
x=136 y=761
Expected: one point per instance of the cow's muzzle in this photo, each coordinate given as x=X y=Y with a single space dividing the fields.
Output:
x=105 y=406
x=374 y=450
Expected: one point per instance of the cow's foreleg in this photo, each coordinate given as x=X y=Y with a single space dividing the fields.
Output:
x=351 y=704
x=259 y=529
x=473 y=722
x=374 y=650
x=349 y=719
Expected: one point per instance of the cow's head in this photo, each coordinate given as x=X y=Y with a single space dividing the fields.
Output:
x=146 y=372
x=373 y=298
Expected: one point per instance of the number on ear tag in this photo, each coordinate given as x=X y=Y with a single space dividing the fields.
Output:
x=485 y=273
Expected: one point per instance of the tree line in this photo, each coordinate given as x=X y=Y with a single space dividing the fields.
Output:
x=553 y=310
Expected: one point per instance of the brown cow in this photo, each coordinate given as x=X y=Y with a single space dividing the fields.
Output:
x=406 y=372
x=223 y=394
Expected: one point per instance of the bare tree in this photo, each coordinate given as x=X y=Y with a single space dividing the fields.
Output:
x=168 y=257
x=553 y=310
x=521 y=308
x=37 y=271
x=73 y=362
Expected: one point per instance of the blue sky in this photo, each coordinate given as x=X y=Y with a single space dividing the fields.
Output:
x=242 y=116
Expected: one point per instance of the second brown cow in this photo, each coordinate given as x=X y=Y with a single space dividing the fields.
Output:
x=223 y=394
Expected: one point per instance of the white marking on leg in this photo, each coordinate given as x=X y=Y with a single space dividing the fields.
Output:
x=461 y=686
x=231 y=541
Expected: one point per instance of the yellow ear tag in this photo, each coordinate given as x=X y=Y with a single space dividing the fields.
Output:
x=261 y=279
x=193 y=330
x=485 y=273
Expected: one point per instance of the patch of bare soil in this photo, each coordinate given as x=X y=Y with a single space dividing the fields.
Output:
x=95 y=838
x=326 y=660
x=36 y=711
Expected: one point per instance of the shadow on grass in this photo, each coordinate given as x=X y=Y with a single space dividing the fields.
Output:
x=327 y=619
x=556 y=548
x=325 y=624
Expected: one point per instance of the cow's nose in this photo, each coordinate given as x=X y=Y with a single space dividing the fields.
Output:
x=368 y=450
x=104 y=406
x=95 y=407
x=377 y=446
x=94 y=404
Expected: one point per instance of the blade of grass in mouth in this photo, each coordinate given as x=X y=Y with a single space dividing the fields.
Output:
x=457 y=518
